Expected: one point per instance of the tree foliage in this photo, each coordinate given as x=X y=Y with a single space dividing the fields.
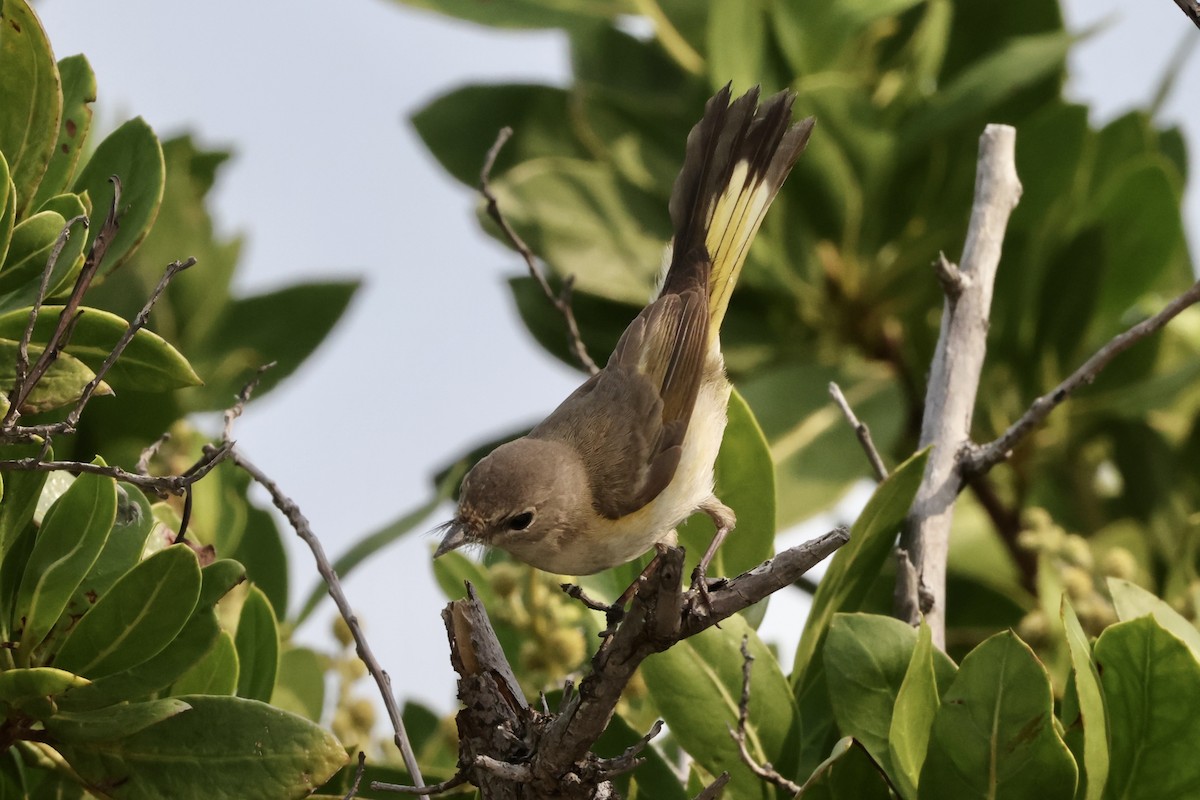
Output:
x=838 y=288
x=132 y=666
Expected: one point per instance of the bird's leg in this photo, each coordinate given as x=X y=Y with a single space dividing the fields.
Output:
x=724 y=519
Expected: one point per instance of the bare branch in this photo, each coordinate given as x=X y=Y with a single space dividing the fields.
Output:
x=434 y=788
x=165 y=484
x=496 y=721
x=957 y=363
x=302 y=528
x=1191 y=8
x=861 y=430
x=358 y=776
x=979 y=459
x=764 y=771
x=715 y=789
x=561 y=301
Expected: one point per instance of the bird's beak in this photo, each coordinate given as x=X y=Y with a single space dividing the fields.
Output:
x=456 y=536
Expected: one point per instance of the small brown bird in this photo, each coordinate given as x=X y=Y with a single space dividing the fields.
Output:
x=629 y=455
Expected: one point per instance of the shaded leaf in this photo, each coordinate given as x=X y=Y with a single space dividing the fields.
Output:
x=283 y=326
x=215 y=674
x=994 y=735
x=221 y=746
x=1093 y=719
x=71 y=536
x=114 y=722
x=133 y=154
x=696 y=686
x=31 y=96
x=78 y=93
x=257 y=647
x=148 y=364
x=459 y=127
x=867 y=658
x=21 y=684
x=137 y=618
x=917 y=704
x=61 y=384
x=854 y=566
x=301 y=685
x=189 y=647
x=1132 y=601
x=1151 y=687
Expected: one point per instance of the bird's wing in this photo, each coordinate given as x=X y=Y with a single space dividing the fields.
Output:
x=628 y=422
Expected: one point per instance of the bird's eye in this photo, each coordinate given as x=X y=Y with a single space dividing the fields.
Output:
x=521 y=521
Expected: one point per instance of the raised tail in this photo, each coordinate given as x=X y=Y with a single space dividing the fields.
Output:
x=737 y=157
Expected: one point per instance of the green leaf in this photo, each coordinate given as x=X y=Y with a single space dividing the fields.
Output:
x=458 y=128
x=373 y=543
x=745 y=481
x=1151 y=689
x=8 y=209
x=195 y=640
x=261 y=551
x=1132 y=601
x=284 y=326
x=28 y=252
x=121 y=553
x=452 y=572
x=917 y=704
x=137 y=618
x=856 y=564
x=697 y=685
x=737 y=43
x=301 y=685
x=216 y=673
x=23 y=684
x=221 y=747
x=1140 y=214
x=70 y=259
x=817 y=456
x=114 y=722
x=72 y=534
x=148 y=364
x=970 y=95
x=31 y=96
x=1092 y=716
x=219 y=578
x=21 y=493
x=867 y=657
x=584 y=221
x=526 y=13
x=61 y=385
x=994 y=735
x=78 y=92
x=257 y=647
x=133 y=154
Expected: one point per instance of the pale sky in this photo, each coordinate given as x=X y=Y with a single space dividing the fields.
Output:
x=330 y=180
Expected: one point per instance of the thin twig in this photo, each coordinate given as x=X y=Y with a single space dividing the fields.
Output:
x=630 y=760
x=764 y=771
x=1191 y=8
x=434 y=788
x=138 y=322
x=561 y=301
x=358 y=776
x=302 y=528
x=148 y=452
x=165 y=484
x=714 y=790
x=27 y=336
x=978 y=459
x=68 y=316
x=861 y=430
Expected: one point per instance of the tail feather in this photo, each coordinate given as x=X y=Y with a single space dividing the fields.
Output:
x=737 y=157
